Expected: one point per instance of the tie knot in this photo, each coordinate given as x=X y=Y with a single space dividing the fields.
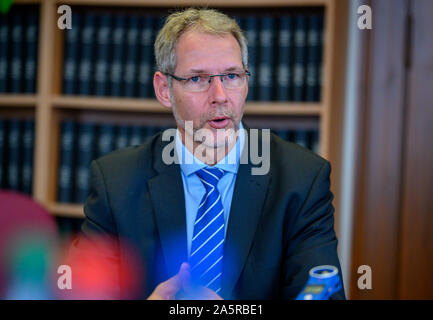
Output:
x=210 y=176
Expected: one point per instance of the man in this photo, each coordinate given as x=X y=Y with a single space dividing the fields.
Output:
x=210 y=228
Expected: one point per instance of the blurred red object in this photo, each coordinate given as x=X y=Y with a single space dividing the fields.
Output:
x=20 y=218
x=98 y=272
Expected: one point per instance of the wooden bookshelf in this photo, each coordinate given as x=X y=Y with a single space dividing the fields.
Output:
x=49 y=103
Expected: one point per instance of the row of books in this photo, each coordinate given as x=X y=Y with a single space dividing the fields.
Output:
x=284 y=57
x=112 y=55
x=16 y=154
x=81 y=142
x=18 y=51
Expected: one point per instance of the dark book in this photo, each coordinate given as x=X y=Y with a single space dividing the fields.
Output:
x=87 y=43
x=315 y=141
x=284 y=67
x=116 y=67
x=129 y=72
x=266 y=65
x=4 y=63
x=67 y=161
x=16 y=58
x=121 y=139
x=71 y=55
x=299 y=63
x=150 y=131
x=31 y=52
x=14 y=151
x=251 y=32
x=102 y=59
x=314 y=57
x=105 y=139
x=136 y=137
x=301 y=138
x=145 y=58
x=28 y=147
x=282 y=133
x=85 y=155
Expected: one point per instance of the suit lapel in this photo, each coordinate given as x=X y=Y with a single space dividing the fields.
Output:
x=166 y=191
x=247 y=205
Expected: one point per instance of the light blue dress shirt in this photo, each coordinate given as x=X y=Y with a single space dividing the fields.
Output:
x=193 y=187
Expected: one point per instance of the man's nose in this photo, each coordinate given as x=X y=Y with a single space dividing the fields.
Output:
x=217 y=91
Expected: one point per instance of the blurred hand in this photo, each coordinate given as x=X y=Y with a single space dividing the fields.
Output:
x=179 y=287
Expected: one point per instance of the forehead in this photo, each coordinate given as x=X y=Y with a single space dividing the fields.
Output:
x=207 y=52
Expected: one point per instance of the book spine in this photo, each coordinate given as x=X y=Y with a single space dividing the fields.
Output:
x=122 y=137
x=315 y=141
x=86 y=63
x=320 y=59
x=105 y=139
x=284 y=70
x=16 y=83
x=282 y=133
x=299 y=58
x=117 y=60
x=129 y=78
x=70 y=64
x=14 y=165
x=145 y=57
x=301 y=138
x=251 y=32
x=31 y=50
x=136 y=136
x=313 y=58
x=265 y=75
x=4 y=31
x=85 y=156
x=102 y=51
x=67 y=163
x=28 y=145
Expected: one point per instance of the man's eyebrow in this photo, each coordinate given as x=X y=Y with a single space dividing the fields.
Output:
x=233 y=69
x=198 y=71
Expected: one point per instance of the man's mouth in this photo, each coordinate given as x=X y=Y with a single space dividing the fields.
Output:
x=219 y=122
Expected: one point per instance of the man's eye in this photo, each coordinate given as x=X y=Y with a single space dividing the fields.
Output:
x=232 y=76
x=194 y=79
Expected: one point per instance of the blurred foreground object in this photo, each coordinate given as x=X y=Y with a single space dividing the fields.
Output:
x=5 y=5
x=98 y=272
x=28 y=236
x=323 y=282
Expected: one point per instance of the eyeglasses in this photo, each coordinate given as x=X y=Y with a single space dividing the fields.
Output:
x=201 y=82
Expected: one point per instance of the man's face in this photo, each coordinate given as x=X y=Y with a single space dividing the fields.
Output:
x=217 y=107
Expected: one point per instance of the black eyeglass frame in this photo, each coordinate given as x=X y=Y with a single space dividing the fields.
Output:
x=210 y=76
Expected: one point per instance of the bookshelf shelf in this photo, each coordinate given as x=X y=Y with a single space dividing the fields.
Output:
x=152 y=106
x=109 y=104
x=66 y=210
x=283 y=109
x=18 y=100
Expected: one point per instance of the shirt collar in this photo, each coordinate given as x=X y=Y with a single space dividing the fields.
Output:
x=229 y=163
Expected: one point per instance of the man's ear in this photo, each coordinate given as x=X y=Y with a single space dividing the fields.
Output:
x=162 y=92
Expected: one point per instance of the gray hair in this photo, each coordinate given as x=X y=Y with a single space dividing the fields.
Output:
x=206 y=20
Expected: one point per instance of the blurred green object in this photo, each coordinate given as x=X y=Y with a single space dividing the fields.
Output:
x=5 y=5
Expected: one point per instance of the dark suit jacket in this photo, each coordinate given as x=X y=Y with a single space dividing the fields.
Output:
x=281 y=224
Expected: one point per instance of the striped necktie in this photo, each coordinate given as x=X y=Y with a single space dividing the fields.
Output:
x=208 y=237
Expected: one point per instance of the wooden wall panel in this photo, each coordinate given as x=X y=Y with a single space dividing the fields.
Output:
x=416 y=255
x=376 y=221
